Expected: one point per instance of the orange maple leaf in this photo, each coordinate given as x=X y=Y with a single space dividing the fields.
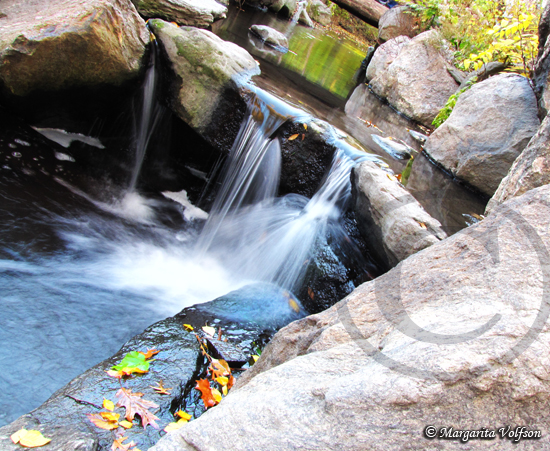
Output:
x=219 y=368
x=118 y=445
x=134 y=404
x=101 y=422
x=150 y=353
x=203 y=385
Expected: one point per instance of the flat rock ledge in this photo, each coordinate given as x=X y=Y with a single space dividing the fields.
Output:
x=58 y=44
x=454 y=336
x=194 y=13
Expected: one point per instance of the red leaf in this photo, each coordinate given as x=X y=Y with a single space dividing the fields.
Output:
x=203 y=385
x=134 y=404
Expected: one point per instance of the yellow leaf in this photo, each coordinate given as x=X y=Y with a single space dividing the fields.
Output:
x=16 y=436
x=209 y=330
x=188 y=327
x=126 y=424
x=109 y=405
x=173 y=426
x=293 y=137
x=222 y=380
x=183 y=415
x=110 y=416
x=224 y=390
x=255 y=357
x=392 y=178
x=33 y=439
x=101 y=422
x=216 y=394
x=305 y=126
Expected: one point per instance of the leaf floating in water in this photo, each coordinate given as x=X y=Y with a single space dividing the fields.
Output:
x=293 y=137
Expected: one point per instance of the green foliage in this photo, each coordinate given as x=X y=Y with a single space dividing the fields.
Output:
x=481 y=31
x=445 y=112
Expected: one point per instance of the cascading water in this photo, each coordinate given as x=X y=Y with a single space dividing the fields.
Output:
x=301 y=6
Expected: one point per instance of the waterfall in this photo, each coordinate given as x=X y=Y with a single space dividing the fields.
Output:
x=257 y=235
x=301 y=6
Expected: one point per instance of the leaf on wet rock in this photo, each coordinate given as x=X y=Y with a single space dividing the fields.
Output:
x=305 y=126
x=101 y=422
x=203 y=385
x=160 y=388
x=29 y=438
x=219 y=368
x=118 y=445
x=183 y=415
x=108 y=405
x=293 y=137
x=150 y=353
x=209 y=330
x=133 y=362
x=188 y=327
x=125 y=424
x=175 y=425
x=135 y=405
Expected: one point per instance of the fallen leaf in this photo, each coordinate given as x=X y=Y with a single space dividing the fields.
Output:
x=224 y=390
x=203 y=385
x=133 y=362
x=150 y=353
x=294 y=305
x=101 y=422
x=16 y=436
x=422 y=225
x=134 y=404
x=161 y=389
x=231 y=382
x=398 y=177
x=303 y=136
x=183 y=415
x=110 y=416
x=209 y=330
x=222 y=380
x=217 y=395
x=109 y=405
x=255 y=358
x=188 y=327
x=475 y=215
x=118 y=445
x=113 y=373
x=392 y=178
x=220 y=334
x=33 y=439
x=305 y=126
x=175 y=425
x=219 y=368
x=126 y=424
x=310 y=293
x=293 y=137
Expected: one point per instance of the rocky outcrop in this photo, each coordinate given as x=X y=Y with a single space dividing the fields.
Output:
x=206 y=72
x=195 y=13
x=58 y=44
x=455 y=336
x=417 y=82
x=391 y=220
x=270 y=36
x=530 y=170
x=541 y=72
x=487 y=130
x=319 y=12
x=384 y=56
x=395 y=22
x=243 y=320
x=369 y=11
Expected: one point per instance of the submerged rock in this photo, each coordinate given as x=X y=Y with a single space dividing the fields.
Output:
x=417 y=82
x=270 y=36
x=206 y=71
x=489 y=127
x=530 y=170
x=59 y=44
x=398 y=21
x=391 y=220
x=195 y=13
x=475 y=357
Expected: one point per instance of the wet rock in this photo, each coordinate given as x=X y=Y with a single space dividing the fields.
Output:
x=304 y=19
x=270 y=36
x=205 y=74
x=59 y=44
x=530 y=170
x=396 y=22
x=283 y=7
x=247 y=317
x=489 y=127
x=541 y=73
x=417 y=82
x=195 y=13
x=391 y=220
x=366 y=364
x=319 y=12
x=384 y=56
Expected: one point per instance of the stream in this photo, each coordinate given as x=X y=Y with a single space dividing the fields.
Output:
x=87 y=262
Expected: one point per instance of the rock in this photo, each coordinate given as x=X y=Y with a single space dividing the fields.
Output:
x=484 y=72
x=178 y=364
x=385 y=55
x=304 y=19
x=58 y=44
x=417 y=82
x=319 y=12
x=391 y=220
x=481 y=364
x=270 y=36
x=195 y=13
x=396 y=22
x=530 y=170
x=283 y=7
x=206 y=73
x=541 y=71
x=489 y=127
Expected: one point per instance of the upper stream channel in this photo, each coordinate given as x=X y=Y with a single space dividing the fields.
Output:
x=91 y=257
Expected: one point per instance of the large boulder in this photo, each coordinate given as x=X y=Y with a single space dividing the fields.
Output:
x=417 y=82
x=391 y=220
x=195 y=13
x=398 y=21
x=541 y=72
x=489 y=127
x=270 y=36
x=206 y=74
x=456 y=336
x=530 y=170
x=58 y=44
x=385 y=55
x=319 y=12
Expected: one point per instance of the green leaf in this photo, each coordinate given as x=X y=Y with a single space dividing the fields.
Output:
x=133 y=359
x=407 y=171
